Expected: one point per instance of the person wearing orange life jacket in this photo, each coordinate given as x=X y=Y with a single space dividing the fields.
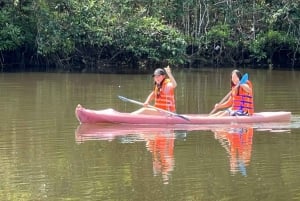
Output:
x=240 y=102
x=163 y=93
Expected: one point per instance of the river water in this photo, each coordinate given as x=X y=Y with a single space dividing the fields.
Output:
x=47 y=155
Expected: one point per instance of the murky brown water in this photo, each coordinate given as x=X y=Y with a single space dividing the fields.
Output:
x=46 y=155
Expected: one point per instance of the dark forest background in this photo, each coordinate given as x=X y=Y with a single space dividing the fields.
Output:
x=138 y=35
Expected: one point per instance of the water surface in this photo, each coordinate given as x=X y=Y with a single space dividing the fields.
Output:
x=46 y=155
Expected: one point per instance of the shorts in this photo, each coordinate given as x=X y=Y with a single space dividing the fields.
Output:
x=237 y=112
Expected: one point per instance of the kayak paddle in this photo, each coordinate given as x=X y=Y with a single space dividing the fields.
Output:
x=242 y=81
x=161 y=110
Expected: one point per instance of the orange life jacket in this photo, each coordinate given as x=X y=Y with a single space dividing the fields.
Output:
x=242 y=100
x=164 y=98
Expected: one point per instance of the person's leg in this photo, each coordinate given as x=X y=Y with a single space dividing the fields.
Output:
x=223 y=113
x=240 y=113
x=220 y=114
x=148 y=111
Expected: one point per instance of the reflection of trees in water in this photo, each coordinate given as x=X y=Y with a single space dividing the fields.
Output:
x=238 y=144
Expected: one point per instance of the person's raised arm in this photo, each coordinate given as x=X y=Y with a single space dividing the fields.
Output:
x=172 y=79
x=247 y=88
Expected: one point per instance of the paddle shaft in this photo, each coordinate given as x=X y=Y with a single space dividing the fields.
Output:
x=150 y=106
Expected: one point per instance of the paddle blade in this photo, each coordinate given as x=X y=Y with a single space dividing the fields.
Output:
x=183 y=117
x=244 y=78
x=123 y=98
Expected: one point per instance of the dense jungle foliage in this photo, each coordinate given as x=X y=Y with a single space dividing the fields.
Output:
x=98 y=35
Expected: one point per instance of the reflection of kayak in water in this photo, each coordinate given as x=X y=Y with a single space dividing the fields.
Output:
x=86 y=132
x=134 y=131
x=159 y=141
x=112 y=116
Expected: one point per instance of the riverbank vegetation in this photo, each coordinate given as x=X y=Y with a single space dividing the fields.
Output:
x=98 y=35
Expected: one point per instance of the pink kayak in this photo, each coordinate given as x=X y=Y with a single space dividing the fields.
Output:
x=112 y=116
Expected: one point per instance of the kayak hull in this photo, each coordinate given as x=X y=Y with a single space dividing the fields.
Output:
x=112 y=116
